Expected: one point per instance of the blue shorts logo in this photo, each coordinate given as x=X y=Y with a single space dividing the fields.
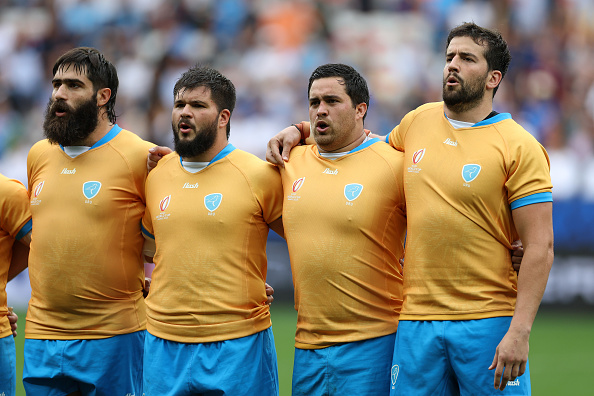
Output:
x=470 y=172
x=213 y=201
x=352 y=191
x=91 y=189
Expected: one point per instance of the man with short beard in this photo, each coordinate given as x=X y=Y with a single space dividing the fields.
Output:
x=86 y=318
x=209 y=209
x=474 y=181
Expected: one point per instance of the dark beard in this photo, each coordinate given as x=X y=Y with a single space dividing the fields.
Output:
x=201 y=143
x=466 y=98
x=75 y=126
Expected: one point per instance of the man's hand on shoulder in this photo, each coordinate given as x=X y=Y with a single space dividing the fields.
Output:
x=278 y=148
x=154 y=156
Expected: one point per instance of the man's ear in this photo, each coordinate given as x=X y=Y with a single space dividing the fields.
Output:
x=361 y=110
x=103 y=96
x=224 y=117
x=495 y=78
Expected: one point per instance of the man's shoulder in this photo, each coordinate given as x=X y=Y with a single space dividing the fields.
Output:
x=131 y=141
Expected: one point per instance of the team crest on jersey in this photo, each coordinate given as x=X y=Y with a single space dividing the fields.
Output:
x=470 y=172
x=213 y=201
x=297 y=184
x=36 y=192
x=418 y=156
x=352 y=191
x=394 y=374
x=164 y=204
x=91 y=189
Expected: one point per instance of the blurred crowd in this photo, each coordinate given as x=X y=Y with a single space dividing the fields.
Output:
x=269 y=48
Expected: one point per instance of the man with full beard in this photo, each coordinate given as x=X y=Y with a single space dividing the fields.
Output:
x=474 y=181
x=209 y=209
x=86 y=317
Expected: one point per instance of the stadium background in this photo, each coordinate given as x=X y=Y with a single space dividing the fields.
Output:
x=269 y=47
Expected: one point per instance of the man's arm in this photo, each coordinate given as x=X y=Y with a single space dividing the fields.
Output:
x=277 y=226
x=278 y=148
x=20 y=256
x=534 y=224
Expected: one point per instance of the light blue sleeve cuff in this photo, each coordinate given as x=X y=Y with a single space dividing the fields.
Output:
x=388 y=138
x=25 y=230
x=532 y=199
x=145 y=231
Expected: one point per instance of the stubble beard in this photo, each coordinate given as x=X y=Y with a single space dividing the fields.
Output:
x=73 y=128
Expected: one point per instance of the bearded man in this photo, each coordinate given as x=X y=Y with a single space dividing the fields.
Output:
x=86 y=318
x=209 y=209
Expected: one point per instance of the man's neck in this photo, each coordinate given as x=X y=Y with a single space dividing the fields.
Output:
x=103 y=127
x=473 y=115
x=355 y=143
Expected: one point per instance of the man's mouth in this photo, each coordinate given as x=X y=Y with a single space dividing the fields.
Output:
x=452 y=80
x=185 y=127
x=321 y=126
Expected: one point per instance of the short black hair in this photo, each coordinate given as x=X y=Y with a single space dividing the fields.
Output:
x=496 y=50
x=222 y=90
x=355 y=85
x=101 y=72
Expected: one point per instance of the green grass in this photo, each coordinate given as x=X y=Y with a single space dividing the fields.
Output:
x=561 y=348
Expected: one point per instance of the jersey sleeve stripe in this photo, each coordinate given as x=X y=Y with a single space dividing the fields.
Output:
x=24 y=230
x=532 y=199
x=145 y=231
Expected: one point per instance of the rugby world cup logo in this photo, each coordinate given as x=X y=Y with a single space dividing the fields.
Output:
x=297 y=184
x=91 y=189
x=213 y=201
x=418 y=156
x=470 y=172
x=164 y=204
x=38 y=189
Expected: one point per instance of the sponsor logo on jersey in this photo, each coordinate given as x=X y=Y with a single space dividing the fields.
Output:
x=418 y=156
x=449 y=142
x=91 y=189
x=67 y=171
x=164 y=204
x=394 y=374
x=470 y=172
x=330 y=172
x=515 y=382
x=352 y=191
x=297 y=184
x=213 y=201
x=38 y=189
x=188 y=185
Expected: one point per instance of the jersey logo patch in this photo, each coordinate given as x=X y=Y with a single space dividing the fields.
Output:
x=297 y=184
x=38 y=189
x=213 y=201
x=394 y=374
x=164 y=204
x=91 y=189
x=418 y=156
x=470 y=172
x=352 y=191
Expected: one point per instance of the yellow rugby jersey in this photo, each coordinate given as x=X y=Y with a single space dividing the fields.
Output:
x=86 y=266
x=210 y=230
x=345 y=222
x=461 y=186
x=15 y=223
